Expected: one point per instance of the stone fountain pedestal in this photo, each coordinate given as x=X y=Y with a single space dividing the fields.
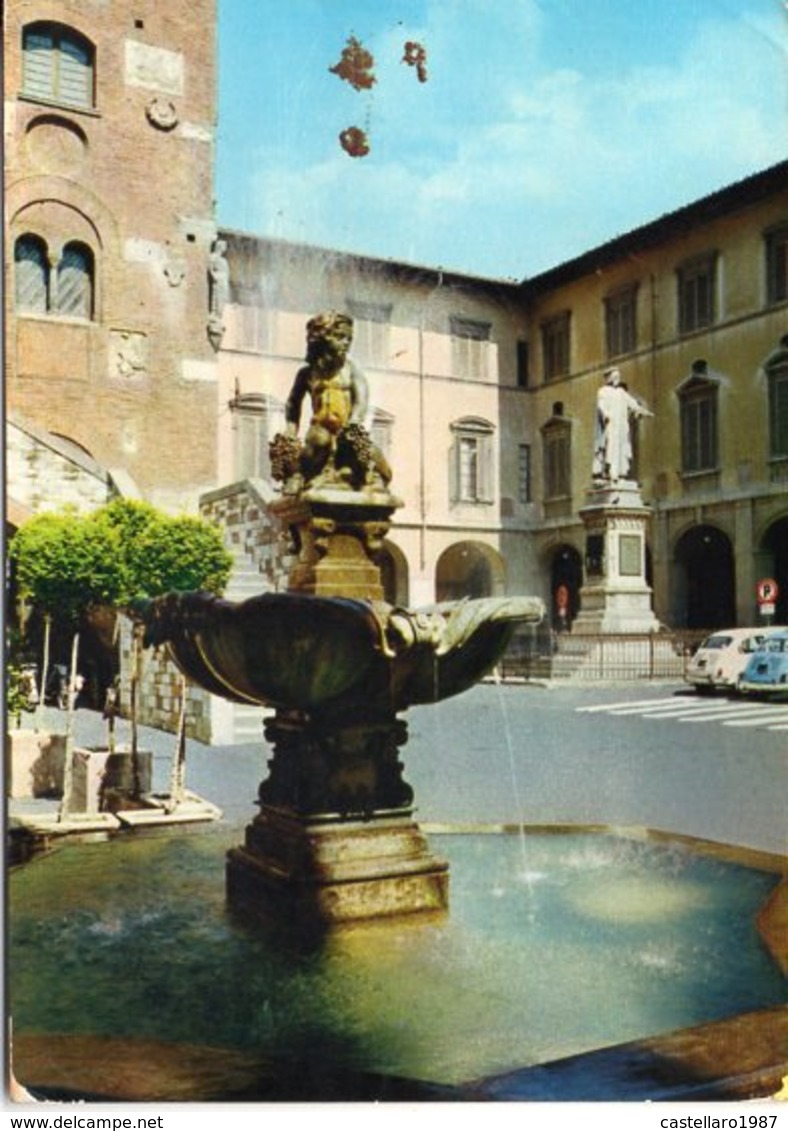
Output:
x=335 y=838
x=336 y=534
x=615 y=597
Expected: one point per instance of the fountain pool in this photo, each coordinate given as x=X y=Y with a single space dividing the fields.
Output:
x=557 y=943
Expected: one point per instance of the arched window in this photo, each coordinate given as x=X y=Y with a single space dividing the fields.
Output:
x=32 y=274
x=75 y=282
x=58 y=65
x=70 y=292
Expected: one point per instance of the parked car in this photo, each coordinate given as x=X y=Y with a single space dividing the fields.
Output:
x=766 y=672
x=718 y=663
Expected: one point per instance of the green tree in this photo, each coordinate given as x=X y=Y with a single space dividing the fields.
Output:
x=176 y=553
x=68 y=564
x=65 y=564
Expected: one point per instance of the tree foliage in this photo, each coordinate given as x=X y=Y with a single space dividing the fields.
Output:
x=67 y=563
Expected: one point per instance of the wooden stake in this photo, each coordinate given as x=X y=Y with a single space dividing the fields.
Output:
x=68 y=769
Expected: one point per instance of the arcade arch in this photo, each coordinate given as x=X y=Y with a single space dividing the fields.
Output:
x=704 y=579
x=469 y=569
x=394 y=575
x=565 y=567
x=773 y=562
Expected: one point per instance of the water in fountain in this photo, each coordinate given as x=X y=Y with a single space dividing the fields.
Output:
x=615 y=940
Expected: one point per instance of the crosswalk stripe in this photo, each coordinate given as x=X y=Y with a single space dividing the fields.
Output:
x=742 y=713
x=724 y=712
x=764 y=717
x=666 y=709
x=612 y=706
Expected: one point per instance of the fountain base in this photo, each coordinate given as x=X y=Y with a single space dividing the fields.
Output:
x=335 y=838
x=323 y=870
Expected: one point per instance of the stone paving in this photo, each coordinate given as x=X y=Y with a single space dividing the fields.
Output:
x=524 y=754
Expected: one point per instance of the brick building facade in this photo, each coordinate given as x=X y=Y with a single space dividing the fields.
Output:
x=110 y=112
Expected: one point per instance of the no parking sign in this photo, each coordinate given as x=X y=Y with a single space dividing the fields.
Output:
x=767 y=592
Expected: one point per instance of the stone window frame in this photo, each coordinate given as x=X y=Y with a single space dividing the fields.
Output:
x=557 y=456
x=381 y=429
x=696 y=292
x=471 y=472
x=621 y=321
x=253 y=423
x=776 y=370
x=776 y=263
x=556 y=333
x=470 y=342
x=699 y=420
x=53 y=81
x=371 y=332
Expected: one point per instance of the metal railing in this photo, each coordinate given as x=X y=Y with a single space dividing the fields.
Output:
x=542 y=654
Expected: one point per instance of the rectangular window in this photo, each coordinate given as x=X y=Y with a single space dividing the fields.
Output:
x=471 y=473
x=621 y=322
x=371 y=332
x=381 y=431
x=524 y=473
x=699 y=432
x=469 y=348
x=777 y=265
x=696 y=285
x=557 y=473
x=251 y=444
x=523 y=365
x=555 y=347
x=778 y=412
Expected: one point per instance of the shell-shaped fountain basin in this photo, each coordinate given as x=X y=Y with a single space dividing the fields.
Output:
x=332 y=656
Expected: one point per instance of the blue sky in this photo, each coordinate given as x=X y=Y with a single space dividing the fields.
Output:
x=545 y=127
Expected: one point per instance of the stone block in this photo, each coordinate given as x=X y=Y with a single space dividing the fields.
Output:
x=101 y=777
x=35 y=761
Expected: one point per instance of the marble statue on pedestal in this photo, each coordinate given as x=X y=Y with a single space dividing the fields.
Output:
x=616 y=409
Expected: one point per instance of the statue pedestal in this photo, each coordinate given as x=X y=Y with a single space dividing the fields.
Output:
x=337 y=534
x=615 y=597
x=335 y=838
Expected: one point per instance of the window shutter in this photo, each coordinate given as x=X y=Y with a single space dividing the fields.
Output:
x=485 y=470
x=75 y=76
x=38 y=73
x=74 y=284
x=245 y=446
x=454 y=470
x=779 y=413
x=31 y=276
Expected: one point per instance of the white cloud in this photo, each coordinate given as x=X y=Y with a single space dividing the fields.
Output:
x=512 y=168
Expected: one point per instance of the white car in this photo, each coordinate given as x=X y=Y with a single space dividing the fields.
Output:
x=722 y=657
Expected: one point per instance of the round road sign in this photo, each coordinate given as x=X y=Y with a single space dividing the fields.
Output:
x=767 y=591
